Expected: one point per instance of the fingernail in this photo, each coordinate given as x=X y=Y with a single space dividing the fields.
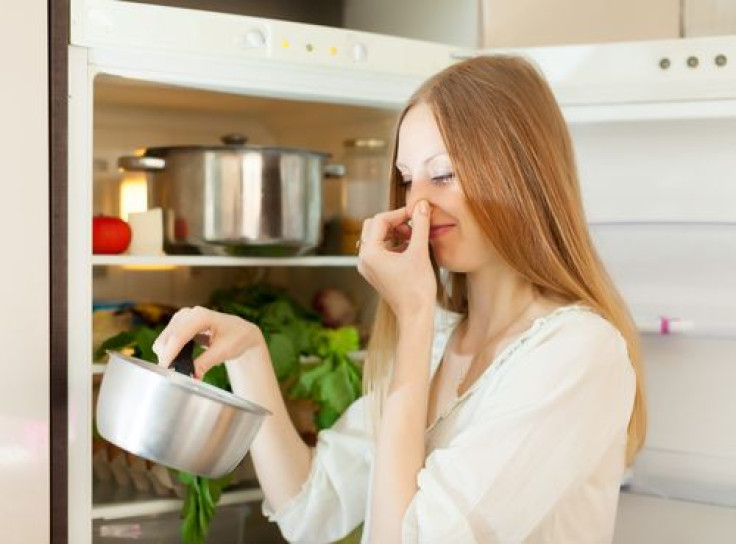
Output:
x=423 y=207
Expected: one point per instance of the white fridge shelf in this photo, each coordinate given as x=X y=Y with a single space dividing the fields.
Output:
x=154 y=262
x=685 y=475
x=133 y=505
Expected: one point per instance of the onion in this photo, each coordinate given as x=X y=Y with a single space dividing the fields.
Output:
x=334 y=307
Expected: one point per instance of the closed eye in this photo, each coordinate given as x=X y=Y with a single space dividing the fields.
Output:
x=443 y=178
x=438 y=180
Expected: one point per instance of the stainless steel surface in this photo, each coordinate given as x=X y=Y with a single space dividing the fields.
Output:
x=174 y=420
x=236 y=199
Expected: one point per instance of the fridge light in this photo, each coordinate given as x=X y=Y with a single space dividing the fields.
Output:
x=133 y=194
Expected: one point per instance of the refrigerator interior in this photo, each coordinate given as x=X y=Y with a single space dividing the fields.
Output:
x=659 y=200
x=129 y=115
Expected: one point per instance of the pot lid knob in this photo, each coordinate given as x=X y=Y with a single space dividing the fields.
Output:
x=234 y=139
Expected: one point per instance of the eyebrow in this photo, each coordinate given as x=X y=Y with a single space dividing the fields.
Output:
x=398 y=164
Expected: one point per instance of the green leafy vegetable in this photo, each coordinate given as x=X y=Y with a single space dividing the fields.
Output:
x=283 y=353
x=335 y=382
x=202 y=497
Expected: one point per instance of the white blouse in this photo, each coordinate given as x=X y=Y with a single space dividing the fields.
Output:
x=533 y=452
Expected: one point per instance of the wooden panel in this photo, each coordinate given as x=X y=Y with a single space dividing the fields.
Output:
x=508 y=23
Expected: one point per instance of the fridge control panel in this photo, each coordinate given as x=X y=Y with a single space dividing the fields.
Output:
x=115 y=24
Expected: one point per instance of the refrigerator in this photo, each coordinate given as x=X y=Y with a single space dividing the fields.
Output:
x=654 y=129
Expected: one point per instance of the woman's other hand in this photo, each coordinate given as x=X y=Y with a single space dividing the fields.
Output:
x=227 y=337
x=402 y=275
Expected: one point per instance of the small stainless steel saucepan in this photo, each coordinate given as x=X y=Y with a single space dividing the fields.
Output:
x=166 y=416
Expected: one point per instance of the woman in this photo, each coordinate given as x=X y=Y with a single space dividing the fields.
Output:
x=507 y=416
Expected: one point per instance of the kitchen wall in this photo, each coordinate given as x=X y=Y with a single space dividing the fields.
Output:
x=454 y=22
x=319 y=12
x=24 y=276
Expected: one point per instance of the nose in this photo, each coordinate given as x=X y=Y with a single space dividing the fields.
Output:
x=420 y=190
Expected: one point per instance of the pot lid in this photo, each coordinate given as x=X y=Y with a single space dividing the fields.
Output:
x=230 y=142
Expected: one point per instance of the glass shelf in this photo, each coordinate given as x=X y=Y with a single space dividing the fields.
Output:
x=118 y=503
x=154 y=262
x=687 y=476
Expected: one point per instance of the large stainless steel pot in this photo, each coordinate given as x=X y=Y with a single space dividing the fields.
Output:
x=170 y=418
x=236 y=198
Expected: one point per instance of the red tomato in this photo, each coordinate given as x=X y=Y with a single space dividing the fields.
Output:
x=110 y=235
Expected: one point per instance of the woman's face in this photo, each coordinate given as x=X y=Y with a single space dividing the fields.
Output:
x=456 y=240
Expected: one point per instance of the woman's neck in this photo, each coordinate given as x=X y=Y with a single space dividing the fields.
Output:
x=497 y=296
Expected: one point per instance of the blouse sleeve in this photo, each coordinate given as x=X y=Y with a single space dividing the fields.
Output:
x=332 y=501
x=543 y=425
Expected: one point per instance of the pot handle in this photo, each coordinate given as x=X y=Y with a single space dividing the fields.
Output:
x=136 y=164
x=335 y=171
x=183 y=363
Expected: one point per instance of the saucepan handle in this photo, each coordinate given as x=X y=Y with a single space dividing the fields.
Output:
x=141 y=164
x=184 y=363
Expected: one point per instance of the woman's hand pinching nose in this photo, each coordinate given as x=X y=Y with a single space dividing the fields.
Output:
x=420 y=226
x=405 y=279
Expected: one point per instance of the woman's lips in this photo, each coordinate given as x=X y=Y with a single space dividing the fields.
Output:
x=435 y=231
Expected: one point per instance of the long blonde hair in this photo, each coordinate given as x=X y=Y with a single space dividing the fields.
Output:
x=512 y=154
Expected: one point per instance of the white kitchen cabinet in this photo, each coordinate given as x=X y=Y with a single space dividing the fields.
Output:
x=527 y=23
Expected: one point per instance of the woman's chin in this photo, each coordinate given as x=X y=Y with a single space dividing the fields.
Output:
x=451 y=263
x=442 y=258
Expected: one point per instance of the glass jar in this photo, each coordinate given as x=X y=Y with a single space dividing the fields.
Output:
x=365 y=188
